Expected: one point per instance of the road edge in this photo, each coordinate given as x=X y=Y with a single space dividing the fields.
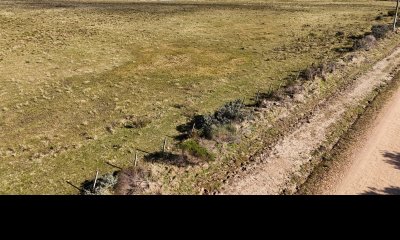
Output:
x=335 y=161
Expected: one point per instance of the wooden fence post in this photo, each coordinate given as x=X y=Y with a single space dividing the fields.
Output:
x=95 y=180
x=136 y=159
x=395 y=15
x=164 y=145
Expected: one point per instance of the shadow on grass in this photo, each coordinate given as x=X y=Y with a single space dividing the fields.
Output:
x=152 y=7
x=114 y=166
x=184 y=130
x=385 y=191
x=168 y=158
x=74 y=186
x=187 y=128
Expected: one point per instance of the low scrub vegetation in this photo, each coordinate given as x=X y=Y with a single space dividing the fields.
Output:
x=365 y=43
x=104 y=185
x=232 y=112
x=380 y=31
x=132 y=180
x=320 y=70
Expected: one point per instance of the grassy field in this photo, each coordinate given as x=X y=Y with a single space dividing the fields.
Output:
x=72 y=73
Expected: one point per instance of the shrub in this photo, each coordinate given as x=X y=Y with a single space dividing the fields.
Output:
x=133 y=180
x=193 y=148
x=364 y=43
x=227 y=114
x=293 y=89
x=380 y=31
x=230 y=112
x=310 y=73
x=205 y=124
x=104 y=185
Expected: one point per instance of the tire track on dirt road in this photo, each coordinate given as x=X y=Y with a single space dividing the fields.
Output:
x=375 y=161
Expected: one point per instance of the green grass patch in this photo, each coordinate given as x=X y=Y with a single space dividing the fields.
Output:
x=193 y=147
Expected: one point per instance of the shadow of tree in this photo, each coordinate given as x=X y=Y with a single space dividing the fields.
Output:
x=169 y=158
x=392 y=190
x=392 y=158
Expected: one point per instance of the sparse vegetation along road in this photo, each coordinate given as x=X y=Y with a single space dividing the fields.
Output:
x=289 y=155
x=88 y=82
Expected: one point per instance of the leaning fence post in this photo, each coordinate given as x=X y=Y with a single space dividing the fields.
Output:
x=136 y=159
x=95 y=180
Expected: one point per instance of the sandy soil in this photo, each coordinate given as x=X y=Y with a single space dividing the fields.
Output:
x=375 y=167
x=296 y=148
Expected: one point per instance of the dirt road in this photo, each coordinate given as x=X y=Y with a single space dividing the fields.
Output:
x=375 y=167
x=295 y=149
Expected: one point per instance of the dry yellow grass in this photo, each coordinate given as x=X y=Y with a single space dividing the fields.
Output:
x=71 y=69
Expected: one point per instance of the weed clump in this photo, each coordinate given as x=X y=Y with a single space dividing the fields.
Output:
x=138 y=123
x=193 y=148
x=318 y=71
x=134 y=122
x=293 y=89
